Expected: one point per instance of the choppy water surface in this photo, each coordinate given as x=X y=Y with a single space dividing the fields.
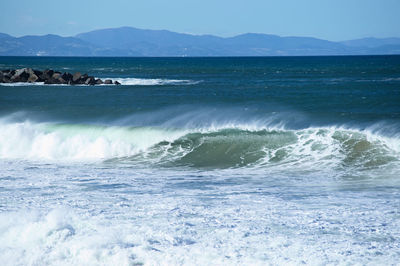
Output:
x=203 y=161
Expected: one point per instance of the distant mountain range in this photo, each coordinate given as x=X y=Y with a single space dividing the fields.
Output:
x=128 y=41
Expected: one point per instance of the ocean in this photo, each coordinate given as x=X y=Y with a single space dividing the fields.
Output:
x=202 y=161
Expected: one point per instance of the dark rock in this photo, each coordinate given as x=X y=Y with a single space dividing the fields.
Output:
x=9 y=72
x=50 y=81
x=117 y=83
x=76 y=77
x=81 y=79
x=8 y=75
x=67 y=76
x=2 y=77
x=90 y=81
x=37 y=72
x=108 y=81
x=5 y=77
x=56 y=75
x=21 y=75
x=46 y=75
x=55 y=79
x=48 y=72
x=32 y=78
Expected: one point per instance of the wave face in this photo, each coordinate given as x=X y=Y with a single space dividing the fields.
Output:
x=314 y=148
x=226 y=146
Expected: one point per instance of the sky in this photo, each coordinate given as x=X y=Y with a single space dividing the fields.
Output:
x=334 y=20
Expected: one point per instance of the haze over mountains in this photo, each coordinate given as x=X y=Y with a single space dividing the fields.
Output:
x=128 y=41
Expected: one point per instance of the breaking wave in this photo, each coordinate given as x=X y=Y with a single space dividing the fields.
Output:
x=153 y=82
x=227 y=146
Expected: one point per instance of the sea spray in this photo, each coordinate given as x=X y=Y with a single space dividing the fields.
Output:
x=221 y=146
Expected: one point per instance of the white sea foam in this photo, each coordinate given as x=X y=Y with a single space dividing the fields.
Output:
x=153 y=82
x=17 y=84
x=76 y=142
x=155 y=219
x=225 y=145
x=123 y=81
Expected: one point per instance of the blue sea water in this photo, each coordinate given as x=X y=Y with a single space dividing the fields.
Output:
x=202 y=161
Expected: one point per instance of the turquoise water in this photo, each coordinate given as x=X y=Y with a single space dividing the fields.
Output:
x=281 y=160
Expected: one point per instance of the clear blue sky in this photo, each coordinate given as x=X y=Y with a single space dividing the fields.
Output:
x=327 y=19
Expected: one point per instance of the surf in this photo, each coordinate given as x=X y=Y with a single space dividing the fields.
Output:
x=212 y=146
x=125 y=81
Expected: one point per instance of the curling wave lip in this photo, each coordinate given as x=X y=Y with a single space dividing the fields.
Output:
x=225 y=146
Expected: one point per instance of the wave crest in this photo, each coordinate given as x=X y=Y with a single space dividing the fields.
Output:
x=312 y=148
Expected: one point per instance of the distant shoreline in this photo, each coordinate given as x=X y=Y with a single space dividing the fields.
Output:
x=133 y=42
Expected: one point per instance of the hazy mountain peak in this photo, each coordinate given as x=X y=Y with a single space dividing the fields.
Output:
x=130 y=41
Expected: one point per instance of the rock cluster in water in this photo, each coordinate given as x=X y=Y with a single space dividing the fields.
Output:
x=49 y=76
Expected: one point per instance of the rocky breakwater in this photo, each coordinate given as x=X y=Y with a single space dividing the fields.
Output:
x=49 y=76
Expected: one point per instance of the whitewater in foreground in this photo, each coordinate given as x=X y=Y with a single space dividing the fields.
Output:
x=203 y=161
